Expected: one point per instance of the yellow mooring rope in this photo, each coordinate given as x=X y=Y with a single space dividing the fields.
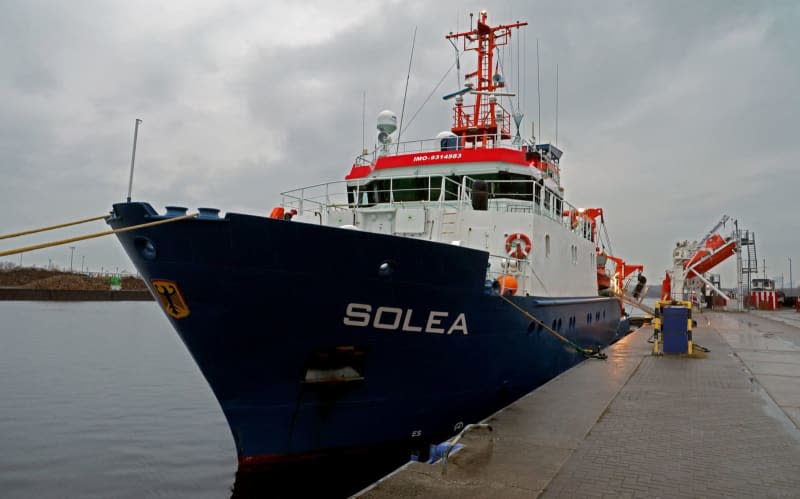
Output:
x=94 y=235
x=51 y=227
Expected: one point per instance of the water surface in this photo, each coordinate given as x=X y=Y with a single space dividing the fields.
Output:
x=101 y=399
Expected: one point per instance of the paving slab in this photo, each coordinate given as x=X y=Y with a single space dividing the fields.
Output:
x=530 y=439
x=773 y=357
x=787 y=316
x=725 y=425
x=700 y=427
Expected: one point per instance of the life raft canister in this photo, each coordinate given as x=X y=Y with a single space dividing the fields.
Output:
x=518 y=245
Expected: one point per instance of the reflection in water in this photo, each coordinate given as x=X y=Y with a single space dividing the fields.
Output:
x=102 y=398
x=341 y=476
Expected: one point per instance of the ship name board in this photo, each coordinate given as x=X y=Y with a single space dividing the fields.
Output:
x=393 y=318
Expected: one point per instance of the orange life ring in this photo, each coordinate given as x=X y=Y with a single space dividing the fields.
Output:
x=518 y=245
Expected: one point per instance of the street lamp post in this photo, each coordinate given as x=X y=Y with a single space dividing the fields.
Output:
x=791 y=284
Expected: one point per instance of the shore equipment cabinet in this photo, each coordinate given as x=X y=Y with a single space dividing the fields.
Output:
x=672 y=326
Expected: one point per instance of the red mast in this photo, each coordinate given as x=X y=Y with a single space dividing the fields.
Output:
x=486 y=120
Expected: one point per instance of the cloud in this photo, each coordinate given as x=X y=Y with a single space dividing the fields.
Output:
x=670 y=114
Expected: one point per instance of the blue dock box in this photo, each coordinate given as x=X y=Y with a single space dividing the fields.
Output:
x=676 y=329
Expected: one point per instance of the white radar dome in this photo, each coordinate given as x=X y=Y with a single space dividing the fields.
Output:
x=445 y=135
x=387 y=122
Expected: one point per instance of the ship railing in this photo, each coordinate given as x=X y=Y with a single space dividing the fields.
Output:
x=529 y=196
x=409 y=189
x=448 y=144
x=470 y=116
x=327 y=196
x=522 y=270
x=507 y=196
x=402 y=190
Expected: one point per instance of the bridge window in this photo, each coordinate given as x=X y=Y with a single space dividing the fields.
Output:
x=505 y=185
x=502 y=185
x=369 y=194
x=412 y=189
x=400 y=190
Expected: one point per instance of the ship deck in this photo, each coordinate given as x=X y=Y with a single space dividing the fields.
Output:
x=725 y=424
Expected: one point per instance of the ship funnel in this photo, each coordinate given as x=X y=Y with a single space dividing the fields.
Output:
x=517 y=116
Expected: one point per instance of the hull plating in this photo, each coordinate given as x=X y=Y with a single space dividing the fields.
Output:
x=273 y=304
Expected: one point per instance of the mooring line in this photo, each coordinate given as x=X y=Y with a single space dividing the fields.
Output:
x=592 y=352
x=52 y=227
x=94 y=235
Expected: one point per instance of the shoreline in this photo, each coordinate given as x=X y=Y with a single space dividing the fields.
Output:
x=26 y=294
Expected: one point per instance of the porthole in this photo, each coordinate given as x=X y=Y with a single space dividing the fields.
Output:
x=387 y=268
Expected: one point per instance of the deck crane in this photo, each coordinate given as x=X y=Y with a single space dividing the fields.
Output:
x=615 y=283
x=622 y=271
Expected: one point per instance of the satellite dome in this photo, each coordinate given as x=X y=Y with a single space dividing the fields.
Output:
x=387 y=122
x=448 y=140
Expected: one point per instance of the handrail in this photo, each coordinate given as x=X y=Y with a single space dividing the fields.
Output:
x=539 y=198
x=434 y=144
x=528 y=265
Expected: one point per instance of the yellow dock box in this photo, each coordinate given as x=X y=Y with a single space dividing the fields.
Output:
x=672 y=326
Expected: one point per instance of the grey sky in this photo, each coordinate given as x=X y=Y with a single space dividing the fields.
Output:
x=671 y=113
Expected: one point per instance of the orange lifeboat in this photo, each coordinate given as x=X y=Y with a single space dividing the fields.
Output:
x=714 y=252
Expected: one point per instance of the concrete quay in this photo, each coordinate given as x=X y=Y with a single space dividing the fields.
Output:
x=723 y=425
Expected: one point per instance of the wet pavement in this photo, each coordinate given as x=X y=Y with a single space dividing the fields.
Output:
x=723 y=425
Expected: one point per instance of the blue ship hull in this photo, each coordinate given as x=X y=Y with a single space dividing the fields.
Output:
x=278 y=324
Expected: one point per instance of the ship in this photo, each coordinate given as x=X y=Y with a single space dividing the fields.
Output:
x=438 y=282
